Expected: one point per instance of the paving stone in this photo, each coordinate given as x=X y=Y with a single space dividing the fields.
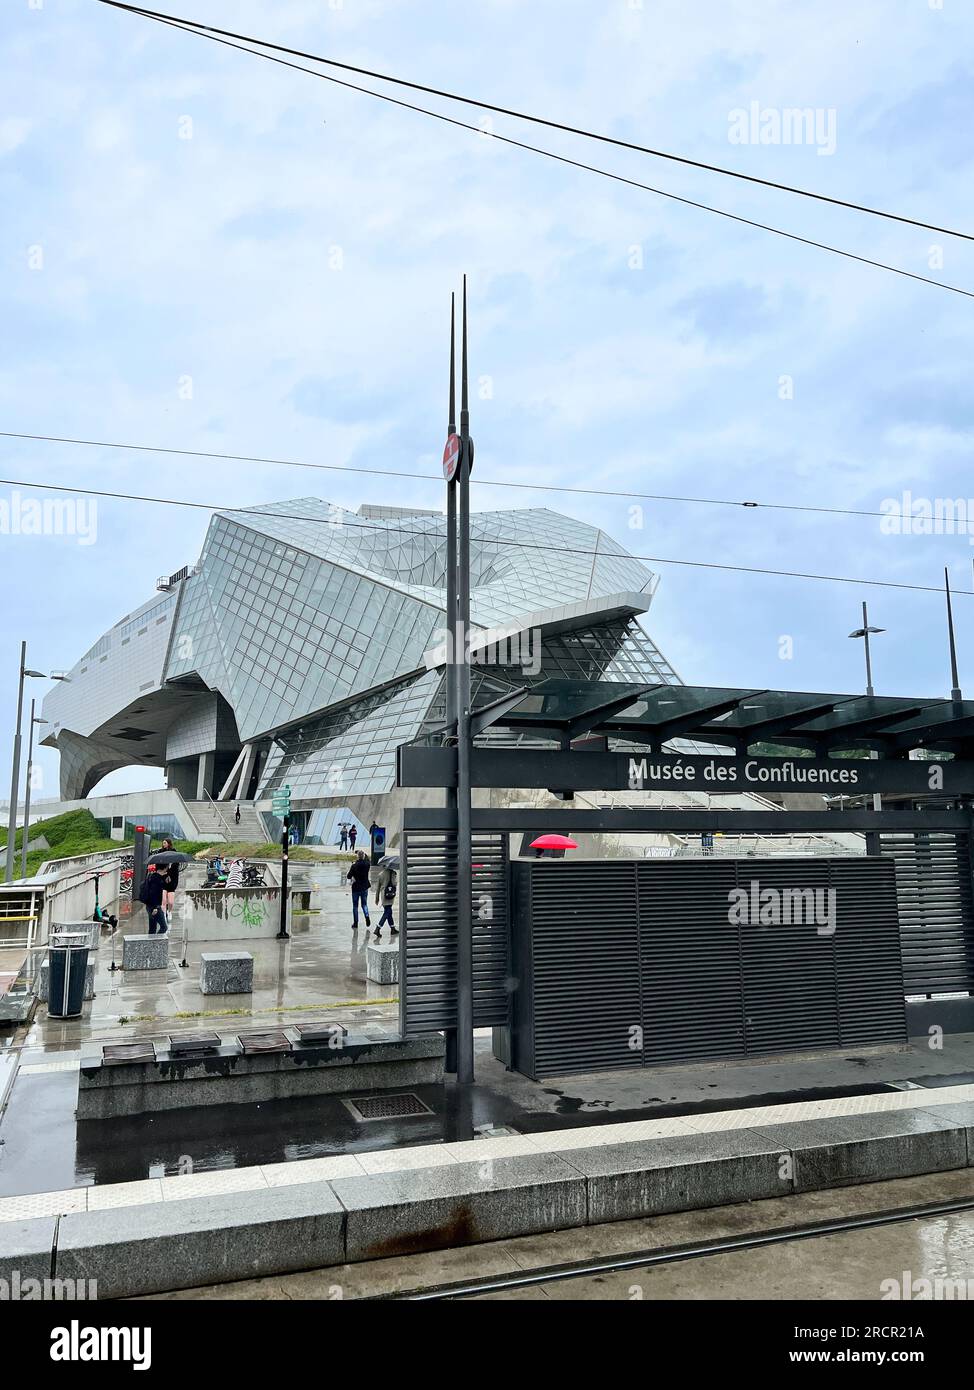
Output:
x=25 y=1249
x=145 y=952
x=869 y=1148
x=458 y=1204
x=679 y=1173
x=382 y=963
x=226 y=972
x=178 y=1245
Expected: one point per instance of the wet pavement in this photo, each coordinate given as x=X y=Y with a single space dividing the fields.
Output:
x=43 y=1148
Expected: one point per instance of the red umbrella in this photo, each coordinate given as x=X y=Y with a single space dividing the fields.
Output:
x=553 y=842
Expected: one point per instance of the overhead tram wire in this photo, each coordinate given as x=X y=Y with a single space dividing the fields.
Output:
x=504 y=542
x=208 y=30
x=433 y=478
x=190 y=27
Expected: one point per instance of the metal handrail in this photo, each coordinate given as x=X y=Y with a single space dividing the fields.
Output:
x=215 y=805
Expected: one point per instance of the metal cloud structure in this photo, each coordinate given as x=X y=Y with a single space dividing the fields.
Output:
x=309 y=641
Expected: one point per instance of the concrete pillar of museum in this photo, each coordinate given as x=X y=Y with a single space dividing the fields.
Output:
x=204 y=777
x=246 y=771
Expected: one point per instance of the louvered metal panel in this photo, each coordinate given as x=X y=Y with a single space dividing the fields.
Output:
x=933 y=888
x=584 y=945
x=428 y=949
x=602 y=945
x=689 y=962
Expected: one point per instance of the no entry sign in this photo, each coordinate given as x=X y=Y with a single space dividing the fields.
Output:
x=451 y=457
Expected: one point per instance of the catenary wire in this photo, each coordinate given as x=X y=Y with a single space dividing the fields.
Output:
x=186 y=27
x=210 y=29
x=432 y=478
x=266 y=514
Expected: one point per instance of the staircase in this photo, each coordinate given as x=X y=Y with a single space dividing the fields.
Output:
x=216 y=818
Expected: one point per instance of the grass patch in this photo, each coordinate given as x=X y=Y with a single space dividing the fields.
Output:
x=76 y=832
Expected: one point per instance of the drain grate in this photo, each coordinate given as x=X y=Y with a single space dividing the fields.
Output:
x=114 y=1053
x=365 y=1108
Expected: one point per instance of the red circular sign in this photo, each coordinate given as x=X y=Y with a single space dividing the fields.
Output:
x=451 y=457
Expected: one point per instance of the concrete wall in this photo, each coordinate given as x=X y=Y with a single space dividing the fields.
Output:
x=229 y=914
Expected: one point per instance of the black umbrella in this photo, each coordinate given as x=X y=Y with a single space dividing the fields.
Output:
x=169 y=856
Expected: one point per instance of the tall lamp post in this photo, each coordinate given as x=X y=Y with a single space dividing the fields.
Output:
x=864 y=633
x=15 y=773
x=30 y=771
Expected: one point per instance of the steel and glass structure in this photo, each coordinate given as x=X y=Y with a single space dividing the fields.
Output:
x=309 y=641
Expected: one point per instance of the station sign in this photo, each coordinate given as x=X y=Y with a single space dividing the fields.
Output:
x=564 y=770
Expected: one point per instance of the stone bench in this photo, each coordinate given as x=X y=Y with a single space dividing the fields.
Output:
x=145 y=952
x=226 y=972
x=44 y=974
x=334 y=1065
x=382 y=963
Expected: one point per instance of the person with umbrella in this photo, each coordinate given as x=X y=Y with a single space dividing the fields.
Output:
x=385 y=893
x=167 y=861
x=170 y=876
x=151 y=895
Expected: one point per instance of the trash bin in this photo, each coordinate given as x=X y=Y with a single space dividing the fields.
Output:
x=67 y=968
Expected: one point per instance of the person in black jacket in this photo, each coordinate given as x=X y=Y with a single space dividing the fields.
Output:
x=358 y=876
x=153 y=888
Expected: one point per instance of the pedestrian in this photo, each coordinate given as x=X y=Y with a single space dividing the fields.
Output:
x=236 y=814
x=358 y=877
x=343 y=840
x=352 y=832
x=170 y=876
x=151 y=894
x=235 y=876
x=385 y=893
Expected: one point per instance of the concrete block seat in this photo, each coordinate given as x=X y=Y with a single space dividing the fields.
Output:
x=382 y=963
x=42 y=979
x=145 y=952
x=226 y=972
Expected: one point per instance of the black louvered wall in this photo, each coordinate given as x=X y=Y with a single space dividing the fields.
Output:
x=428 y=942
x=933 y=885
x=623 y=963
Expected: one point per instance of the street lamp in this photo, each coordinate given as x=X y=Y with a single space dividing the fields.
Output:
x=864 y=632
x=15 y=775
x=30 y=772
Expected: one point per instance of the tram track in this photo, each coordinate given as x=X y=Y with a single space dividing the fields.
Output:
x=695 y=1250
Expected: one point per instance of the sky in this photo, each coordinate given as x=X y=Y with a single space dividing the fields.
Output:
x=203 y=250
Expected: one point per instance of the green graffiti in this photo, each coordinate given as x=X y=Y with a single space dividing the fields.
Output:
x=251 y=911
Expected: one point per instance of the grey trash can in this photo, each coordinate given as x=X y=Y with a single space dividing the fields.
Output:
x=67 y=968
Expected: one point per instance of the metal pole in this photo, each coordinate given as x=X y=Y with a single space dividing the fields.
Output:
x=869 y=667
x=30 y=768
x=15 y=776
x=955 y=693
x=465 y=1068
x=450 y=1063
x=284 y=934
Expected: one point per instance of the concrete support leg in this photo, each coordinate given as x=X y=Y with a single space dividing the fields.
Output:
x=205 y=775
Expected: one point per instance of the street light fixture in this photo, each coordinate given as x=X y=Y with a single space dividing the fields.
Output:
x=864 y=633
x=25 y=672
x=30 y=773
